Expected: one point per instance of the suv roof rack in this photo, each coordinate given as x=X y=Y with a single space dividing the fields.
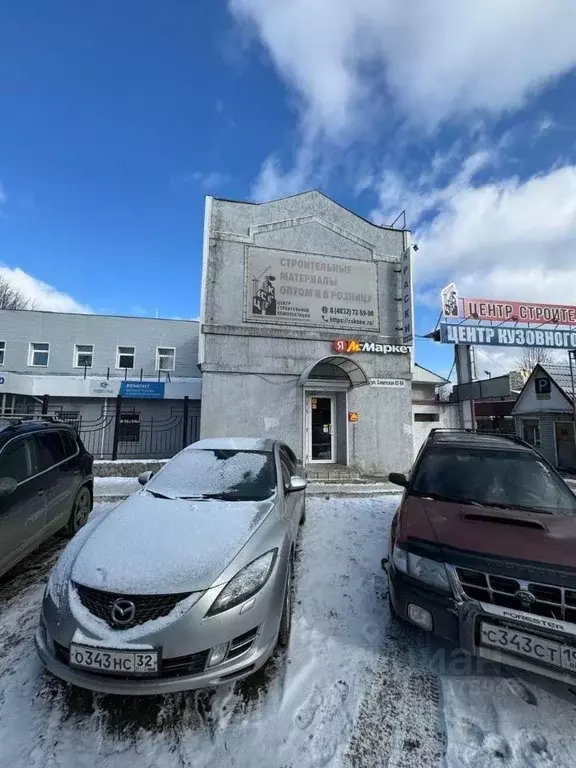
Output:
x=439 y=431
x=14 y=419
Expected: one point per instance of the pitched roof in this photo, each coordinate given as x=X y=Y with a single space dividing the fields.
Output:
x=561 y=376
x=308 y=192
x=426 y=376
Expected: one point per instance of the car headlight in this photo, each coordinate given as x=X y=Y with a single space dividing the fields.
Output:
x=429 y=571
x=246 y=583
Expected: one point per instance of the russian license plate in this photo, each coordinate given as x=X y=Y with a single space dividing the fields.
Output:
x=531 y=646
x=114 y=662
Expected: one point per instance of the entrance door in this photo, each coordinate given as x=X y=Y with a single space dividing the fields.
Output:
x=565 y=445
x=321 y=428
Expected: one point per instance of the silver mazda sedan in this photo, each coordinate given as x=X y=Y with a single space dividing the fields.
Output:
x=186 y=584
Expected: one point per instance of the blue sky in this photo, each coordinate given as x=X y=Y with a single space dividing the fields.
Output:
x=117 y=118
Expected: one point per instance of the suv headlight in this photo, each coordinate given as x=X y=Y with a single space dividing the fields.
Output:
x=429 y=571
x=245 y=584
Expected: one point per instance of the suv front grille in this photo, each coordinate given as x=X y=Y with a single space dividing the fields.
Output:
x=550 y=601
x=147 y=607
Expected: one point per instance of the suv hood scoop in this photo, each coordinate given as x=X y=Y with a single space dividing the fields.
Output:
x=503 y=519
x=515 y=534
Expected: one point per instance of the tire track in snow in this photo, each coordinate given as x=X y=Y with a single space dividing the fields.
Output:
x=399 y=723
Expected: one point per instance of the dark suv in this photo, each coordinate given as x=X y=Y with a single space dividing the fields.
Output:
x=46 y=484
x=483 y=551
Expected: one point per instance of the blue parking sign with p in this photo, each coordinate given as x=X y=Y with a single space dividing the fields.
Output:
x=543 y=385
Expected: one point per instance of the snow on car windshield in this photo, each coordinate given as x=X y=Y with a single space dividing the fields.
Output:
x=230 y=474
x=499 y=478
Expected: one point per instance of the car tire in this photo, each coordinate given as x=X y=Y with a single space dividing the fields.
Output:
x=80 y=511
x=286 y=619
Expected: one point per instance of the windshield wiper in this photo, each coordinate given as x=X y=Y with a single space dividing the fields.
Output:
x=520 y=507
x=159 y=495
x=220 y=496
x=444 y=497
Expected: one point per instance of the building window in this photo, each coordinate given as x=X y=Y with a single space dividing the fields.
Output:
x=426 y=417
x=531 y=431
x=83 y=355
x=129 y=428
x=2 y=351
x=39 y=354
x=165 y=358
x=125 y=357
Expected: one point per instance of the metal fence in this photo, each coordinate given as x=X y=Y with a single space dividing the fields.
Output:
x=122 y=432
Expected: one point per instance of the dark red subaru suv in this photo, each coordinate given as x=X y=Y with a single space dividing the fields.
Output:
x=483 y=551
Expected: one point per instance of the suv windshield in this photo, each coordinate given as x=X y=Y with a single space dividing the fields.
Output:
x=513 y=479
x=221 y=474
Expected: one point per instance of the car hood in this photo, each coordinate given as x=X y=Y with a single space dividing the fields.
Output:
x=148 y=545
x=516 y=534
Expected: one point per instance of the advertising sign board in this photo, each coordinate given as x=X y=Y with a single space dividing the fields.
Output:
x=152 y=390
x=501 y=310
x=518 y=311
x=351 y=346
x=407 y=331
x=295 y=289
x=497 y=336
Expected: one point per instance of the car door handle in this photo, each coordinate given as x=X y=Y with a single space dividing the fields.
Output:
x=41 y=492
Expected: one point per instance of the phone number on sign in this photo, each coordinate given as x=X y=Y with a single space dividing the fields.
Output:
x=348 y=311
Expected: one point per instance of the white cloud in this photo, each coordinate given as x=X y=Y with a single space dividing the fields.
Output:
x=545 y=125
x=212 y=180
x=42 y=295
x=435 y=58
x=425 y=194
x=273 y=182
x=511 y=239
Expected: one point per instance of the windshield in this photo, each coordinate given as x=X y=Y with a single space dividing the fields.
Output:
x=494 y=478
x=221 y=474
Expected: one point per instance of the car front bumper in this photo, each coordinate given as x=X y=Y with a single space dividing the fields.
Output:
x=458 y=621
x=228 y=672
x=250 y=632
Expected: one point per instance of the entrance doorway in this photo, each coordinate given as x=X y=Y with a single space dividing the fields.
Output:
x=565 y=444
x=321 y=429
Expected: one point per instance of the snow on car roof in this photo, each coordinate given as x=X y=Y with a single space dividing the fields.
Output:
x=233 y=444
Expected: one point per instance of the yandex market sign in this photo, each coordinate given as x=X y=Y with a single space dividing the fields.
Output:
x=351 y=346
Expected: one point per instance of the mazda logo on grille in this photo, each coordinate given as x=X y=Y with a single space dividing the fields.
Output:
x=525 y=597
x=123 y=612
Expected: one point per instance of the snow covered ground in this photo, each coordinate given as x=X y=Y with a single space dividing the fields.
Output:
x=352 y=689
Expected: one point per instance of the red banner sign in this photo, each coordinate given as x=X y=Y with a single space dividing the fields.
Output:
x=518 y=311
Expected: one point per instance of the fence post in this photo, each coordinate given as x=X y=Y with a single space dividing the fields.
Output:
x=45 y=401
x=185 y=423
x=116 y=428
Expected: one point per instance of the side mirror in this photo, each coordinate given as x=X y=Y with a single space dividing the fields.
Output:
x=398 y=479
x=144 y=477
x=7 y=486
x=296 y=484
